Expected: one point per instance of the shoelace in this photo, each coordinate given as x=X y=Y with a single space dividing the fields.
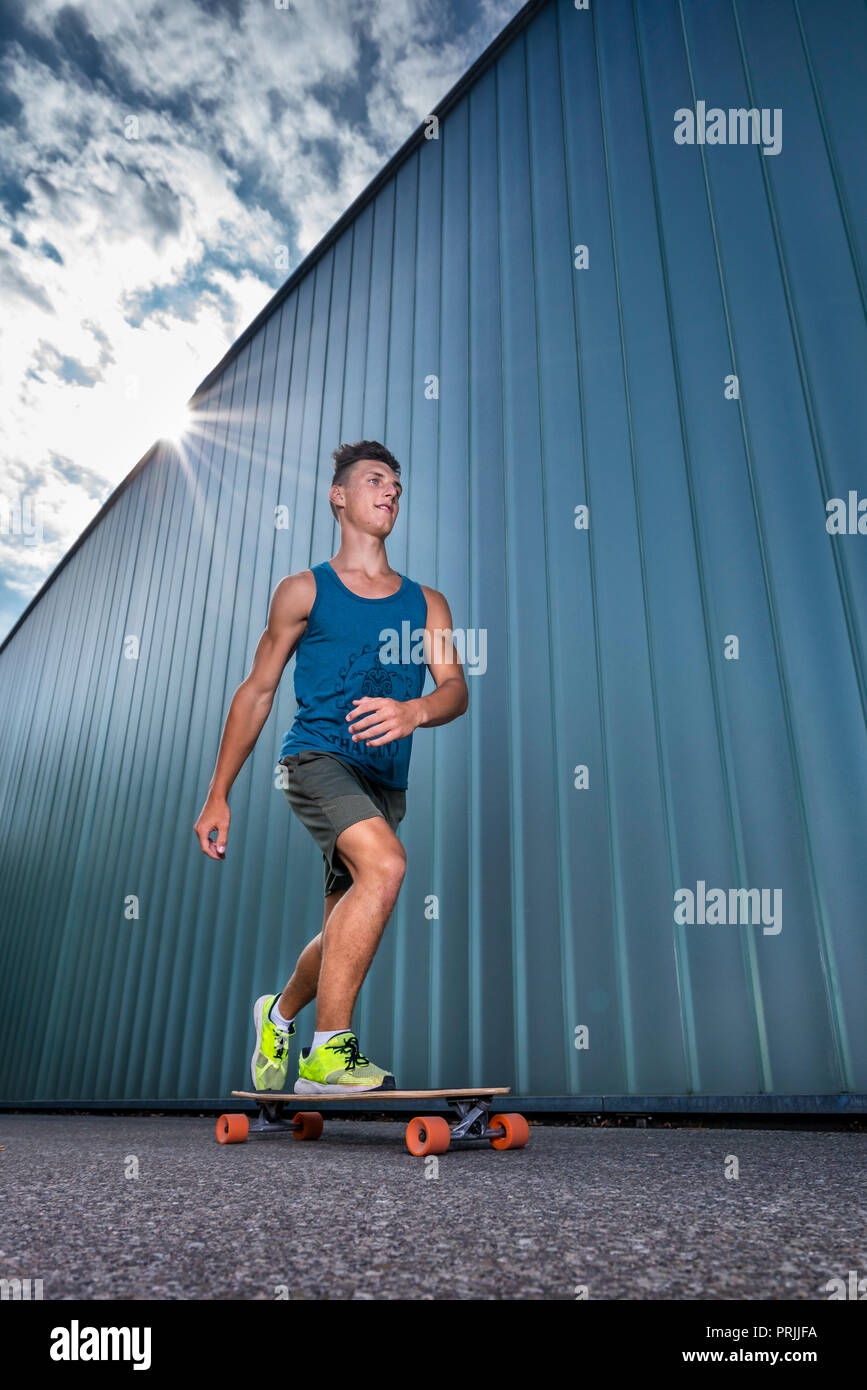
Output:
x=281 y=1042
x=350 y=1046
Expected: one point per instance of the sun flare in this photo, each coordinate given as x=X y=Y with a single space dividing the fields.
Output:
x=174 y=425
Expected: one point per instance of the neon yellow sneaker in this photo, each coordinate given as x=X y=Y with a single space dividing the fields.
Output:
x=338 y=1066
x=270 y=1060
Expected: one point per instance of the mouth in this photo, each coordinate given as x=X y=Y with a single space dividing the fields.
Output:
x=384 y=507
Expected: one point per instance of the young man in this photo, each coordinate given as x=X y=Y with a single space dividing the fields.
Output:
x=364 y=635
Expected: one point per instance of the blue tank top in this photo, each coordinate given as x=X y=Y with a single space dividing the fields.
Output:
x=351 y=647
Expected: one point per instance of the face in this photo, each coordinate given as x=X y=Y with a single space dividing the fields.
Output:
x=371 y=495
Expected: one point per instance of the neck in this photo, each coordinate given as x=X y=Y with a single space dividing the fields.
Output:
x=361 y=554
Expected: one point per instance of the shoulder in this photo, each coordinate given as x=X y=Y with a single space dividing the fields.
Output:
x=295 y=594
x=437 y=604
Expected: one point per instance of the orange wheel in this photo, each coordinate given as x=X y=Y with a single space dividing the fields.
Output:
x=517 y=1131
x=428 y=1134
x=232 y=1129
x=310 y=1124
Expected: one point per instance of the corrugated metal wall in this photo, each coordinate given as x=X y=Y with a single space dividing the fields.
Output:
x=558 y=387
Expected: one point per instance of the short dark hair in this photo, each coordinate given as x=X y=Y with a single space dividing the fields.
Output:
x=345 y=455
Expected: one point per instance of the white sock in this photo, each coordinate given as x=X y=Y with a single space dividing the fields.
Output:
x=320 y=1038
x=277 y=1018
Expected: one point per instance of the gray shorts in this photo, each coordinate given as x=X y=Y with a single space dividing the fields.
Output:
x=328 y=795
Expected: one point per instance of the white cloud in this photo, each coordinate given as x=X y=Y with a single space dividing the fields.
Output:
x=167 y=240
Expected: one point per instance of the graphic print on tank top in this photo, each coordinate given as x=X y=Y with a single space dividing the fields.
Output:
x=363 y=675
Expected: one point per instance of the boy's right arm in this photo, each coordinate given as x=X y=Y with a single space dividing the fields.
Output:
x=290 y=608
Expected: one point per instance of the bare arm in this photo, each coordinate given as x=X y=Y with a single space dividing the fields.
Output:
x=376 y=719
x=451 y=696
x=251 y=703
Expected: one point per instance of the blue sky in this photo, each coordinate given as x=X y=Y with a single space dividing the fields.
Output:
x=152 y=157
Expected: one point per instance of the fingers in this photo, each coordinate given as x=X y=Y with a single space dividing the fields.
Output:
x=372 y=709
x=214 y=849
x=386 y=738
x=379 y=728
x=207 y=845
x=369 y=721
x=367 y=702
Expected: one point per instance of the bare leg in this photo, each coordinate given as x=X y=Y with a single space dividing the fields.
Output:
x=305 y=979
x=377 y=862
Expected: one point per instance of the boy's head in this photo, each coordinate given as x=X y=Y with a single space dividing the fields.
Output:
x=366 y=486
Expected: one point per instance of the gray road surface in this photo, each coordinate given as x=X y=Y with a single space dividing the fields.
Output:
x=628 y=1213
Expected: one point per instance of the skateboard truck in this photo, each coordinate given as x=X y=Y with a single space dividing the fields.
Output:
x=473 y=1117
x=269 y=1121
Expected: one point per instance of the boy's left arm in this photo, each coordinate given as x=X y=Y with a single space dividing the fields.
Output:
x=451 y=696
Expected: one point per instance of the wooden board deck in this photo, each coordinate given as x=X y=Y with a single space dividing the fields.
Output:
x=468 y=1092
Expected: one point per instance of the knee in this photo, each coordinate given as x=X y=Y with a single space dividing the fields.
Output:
x=374 y=855
x=386 y=869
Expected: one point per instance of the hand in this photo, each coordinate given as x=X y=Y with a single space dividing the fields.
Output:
x=215 y=816
x=389 y=719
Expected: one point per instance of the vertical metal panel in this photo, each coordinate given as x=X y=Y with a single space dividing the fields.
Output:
x=555 y=387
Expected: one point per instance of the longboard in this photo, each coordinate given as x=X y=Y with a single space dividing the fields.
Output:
x=425 y=1134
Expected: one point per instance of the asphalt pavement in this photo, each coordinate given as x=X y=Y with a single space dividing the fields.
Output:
x=132 y=1207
